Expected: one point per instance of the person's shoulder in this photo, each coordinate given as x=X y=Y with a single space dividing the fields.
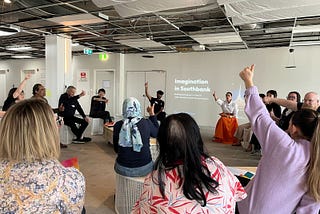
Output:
x=72 y=173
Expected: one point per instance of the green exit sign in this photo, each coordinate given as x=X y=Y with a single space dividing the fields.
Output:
x=87 y=51
x=103 y=56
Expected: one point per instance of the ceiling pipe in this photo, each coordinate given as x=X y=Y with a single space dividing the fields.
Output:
x=291 y=38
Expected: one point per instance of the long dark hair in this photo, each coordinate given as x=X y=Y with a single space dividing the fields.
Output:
x=181 y=147
x=308 y=122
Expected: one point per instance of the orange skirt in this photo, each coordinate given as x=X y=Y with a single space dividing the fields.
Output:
x=225 y=130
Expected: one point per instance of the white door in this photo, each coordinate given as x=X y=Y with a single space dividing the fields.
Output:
x=3 y=90
x=136 y=81
x=105 y=79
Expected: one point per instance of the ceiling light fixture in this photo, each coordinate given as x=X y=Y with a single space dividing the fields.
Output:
x=22 y=57
x=7 y=31
x=7 y=1
x=18 y=48
x=306 y=29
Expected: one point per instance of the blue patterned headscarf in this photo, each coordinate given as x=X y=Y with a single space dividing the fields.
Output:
x=129 y=133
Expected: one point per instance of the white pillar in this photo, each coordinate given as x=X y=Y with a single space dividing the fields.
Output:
x=122 y=86
x=58 y=67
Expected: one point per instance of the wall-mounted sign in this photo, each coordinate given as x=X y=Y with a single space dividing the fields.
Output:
x=87 y=51
x=103 y=56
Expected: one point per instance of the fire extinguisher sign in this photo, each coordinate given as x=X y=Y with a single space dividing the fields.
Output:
x=83 y=76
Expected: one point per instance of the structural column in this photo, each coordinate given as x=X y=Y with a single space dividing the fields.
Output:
x=58 y=67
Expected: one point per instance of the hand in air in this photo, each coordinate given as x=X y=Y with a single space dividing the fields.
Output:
x=28 y=76
x=247 y=75
x=82 y=93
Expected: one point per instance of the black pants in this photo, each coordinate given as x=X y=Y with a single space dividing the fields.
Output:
x=105 y=115
x=161 y=116
x=72 y=123
x=254 y=141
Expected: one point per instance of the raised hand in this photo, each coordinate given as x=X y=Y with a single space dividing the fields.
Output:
x=82 y=93
x=247 y=75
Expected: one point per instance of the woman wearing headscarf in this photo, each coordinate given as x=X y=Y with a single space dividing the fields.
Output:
x=131 y=140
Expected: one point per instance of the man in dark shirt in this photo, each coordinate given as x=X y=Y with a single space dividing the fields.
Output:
x=158 y=103
x=70 y=104
x=98 y=106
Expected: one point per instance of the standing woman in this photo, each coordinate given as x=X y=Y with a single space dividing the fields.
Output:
x=131 y=140
x=227 y=123
x=288 y=175
x=32 y=180
x=185 y=178
x=15 y=94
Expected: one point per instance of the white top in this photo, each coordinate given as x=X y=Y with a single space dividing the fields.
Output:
x=231 y=108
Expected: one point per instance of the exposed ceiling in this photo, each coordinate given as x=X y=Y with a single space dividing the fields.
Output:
x=148 y=26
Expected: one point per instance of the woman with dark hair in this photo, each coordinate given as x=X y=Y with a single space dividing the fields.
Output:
x=227 y=123
x=185 y=179
x=288 y=175
x=15 y=94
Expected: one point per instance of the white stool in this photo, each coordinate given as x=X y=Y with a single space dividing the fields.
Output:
x=97 y=126
x=128 y=191
x=66 y=135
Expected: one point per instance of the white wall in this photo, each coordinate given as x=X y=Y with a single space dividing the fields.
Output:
x=219 y=68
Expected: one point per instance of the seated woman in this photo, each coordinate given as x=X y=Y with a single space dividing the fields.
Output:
x=15 y=94
x=228 y=123
x=32 y=180
x=185 y=179
x=287 y=178
x=131 y=140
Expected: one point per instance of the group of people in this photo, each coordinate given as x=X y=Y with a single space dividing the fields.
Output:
x=183 y=179
x=68 y=105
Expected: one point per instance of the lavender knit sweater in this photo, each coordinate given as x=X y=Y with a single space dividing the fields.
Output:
x=279 y=186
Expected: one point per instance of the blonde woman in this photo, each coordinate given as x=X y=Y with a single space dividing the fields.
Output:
x=32 y=180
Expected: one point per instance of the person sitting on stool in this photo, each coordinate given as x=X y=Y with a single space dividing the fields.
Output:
x=70 y=103
x=98 y=106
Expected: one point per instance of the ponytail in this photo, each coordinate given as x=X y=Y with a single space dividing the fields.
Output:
x=313 y=181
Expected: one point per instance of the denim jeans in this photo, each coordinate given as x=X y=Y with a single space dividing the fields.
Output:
x=134 y=172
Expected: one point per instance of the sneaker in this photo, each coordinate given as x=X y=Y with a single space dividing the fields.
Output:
x=78 y=141
x=256 y=152
x=81 y=140
x=86 y=139
x=63 y=146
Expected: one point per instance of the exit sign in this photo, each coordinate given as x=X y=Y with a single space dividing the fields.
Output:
x=87 y=51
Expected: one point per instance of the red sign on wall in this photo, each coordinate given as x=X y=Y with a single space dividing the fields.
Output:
x=83 y=75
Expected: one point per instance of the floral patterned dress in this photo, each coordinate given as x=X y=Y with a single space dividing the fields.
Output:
x=229 y=191
x=40 y=187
